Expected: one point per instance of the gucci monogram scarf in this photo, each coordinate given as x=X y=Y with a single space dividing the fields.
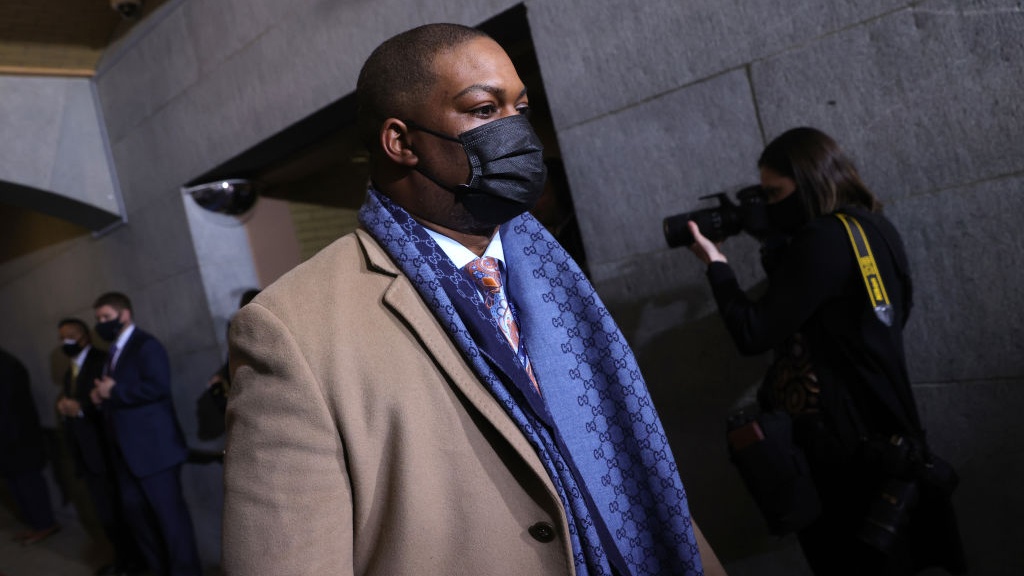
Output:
x=595 y=427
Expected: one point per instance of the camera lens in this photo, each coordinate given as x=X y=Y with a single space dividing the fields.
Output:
x=888 y=514
x=716 y=224
x=677 y=233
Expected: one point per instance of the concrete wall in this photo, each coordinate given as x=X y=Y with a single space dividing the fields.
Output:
x=656 y=102
x=661 y=102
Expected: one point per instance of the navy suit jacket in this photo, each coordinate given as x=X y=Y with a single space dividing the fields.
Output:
x=140 y=408
x=85 y=433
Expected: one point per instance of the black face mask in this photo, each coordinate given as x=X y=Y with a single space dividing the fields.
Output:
x=507 y=171
x=109 y=330
x=71 y=348
x=787 y=215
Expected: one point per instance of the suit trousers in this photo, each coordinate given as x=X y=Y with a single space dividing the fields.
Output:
x=107 y=503
x=32 y=496
x=155 y=509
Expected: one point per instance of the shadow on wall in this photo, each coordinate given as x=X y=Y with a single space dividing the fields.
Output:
x=697 y=379
x=24 y=231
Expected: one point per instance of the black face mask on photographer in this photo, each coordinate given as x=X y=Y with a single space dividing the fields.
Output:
x=507 y=171
x=787 y=215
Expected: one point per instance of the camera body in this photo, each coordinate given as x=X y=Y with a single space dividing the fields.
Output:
x=912 y=474
x=722 y=221
x=889 y=513
x=774 y=470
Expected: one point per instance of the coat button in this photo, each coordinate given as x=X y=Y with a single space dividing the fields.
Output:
x=542 y=532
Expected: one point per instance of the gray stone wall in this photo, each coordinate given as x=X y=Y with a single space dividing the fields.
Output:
x=662 y=102
x=655 y=103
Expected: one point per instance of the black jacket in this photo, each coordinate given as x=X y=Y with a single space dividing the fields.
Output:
x=21 y=438
x=815 y=288
x=85 y=434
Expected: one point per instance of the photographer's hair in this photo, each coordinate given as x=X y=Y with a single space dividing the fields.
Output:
x=83 y=329
x=825 y=177
x=115 y=300
x=397 y=76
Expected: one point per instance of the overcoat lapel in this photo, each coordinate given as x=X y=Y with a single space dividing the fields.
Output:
x=403 y=299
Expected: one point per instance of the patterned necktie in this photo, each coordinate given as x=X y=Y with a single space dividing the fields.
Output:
x=485 y=273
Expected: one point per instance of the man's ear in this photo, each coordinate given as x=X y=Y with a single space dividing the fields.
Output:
x=396 y=143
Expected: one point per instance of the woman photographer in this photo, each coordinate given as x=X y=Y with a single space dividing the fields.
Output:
x=839 y=367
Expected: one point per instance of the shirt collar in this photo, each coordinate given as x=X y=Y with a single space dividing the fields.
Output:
x=460 y=255
x=124 y=336
x=80 y=359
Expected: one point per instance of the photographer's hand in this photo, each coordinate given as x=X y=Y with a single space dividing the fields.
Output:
x=705 y=249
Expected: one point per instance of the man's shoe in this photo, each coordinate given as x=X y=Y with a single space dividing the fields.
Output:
x=40 y=535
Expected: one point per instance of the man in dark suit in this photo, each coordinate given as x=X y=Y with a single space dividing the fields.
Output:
x=22 y=454
x=149 y=448
x=87 y=441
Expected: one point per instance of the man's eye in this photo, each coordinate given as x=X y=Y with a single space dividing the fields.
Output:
x=485 y=111
x=524 y=110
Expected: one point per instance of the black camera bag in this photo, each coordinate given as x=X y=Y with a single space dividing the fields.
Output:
x=774 y=470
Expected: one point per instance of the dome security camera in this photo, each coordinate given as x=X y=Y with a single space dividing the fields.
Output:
x=127 y=8
x=230 y=197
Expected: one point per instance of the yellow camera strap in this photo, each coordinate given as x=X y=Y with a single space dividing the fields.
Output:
x=868 y=269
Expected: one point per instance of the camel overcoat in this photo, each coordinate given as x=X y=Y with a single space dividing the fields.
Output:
x=360 y=442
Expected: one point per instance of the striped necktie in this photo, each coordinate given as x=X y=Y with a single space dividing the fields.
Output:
x=110 y=360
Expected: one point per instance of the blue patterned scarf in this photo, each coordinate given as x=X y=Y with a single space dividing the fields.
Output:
x=595 y=428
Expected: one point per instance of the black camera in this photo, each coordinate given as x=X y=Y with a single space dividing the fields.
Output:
x=889 y=514
x=774 y=470
x=725 y=220
x=913 y=474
